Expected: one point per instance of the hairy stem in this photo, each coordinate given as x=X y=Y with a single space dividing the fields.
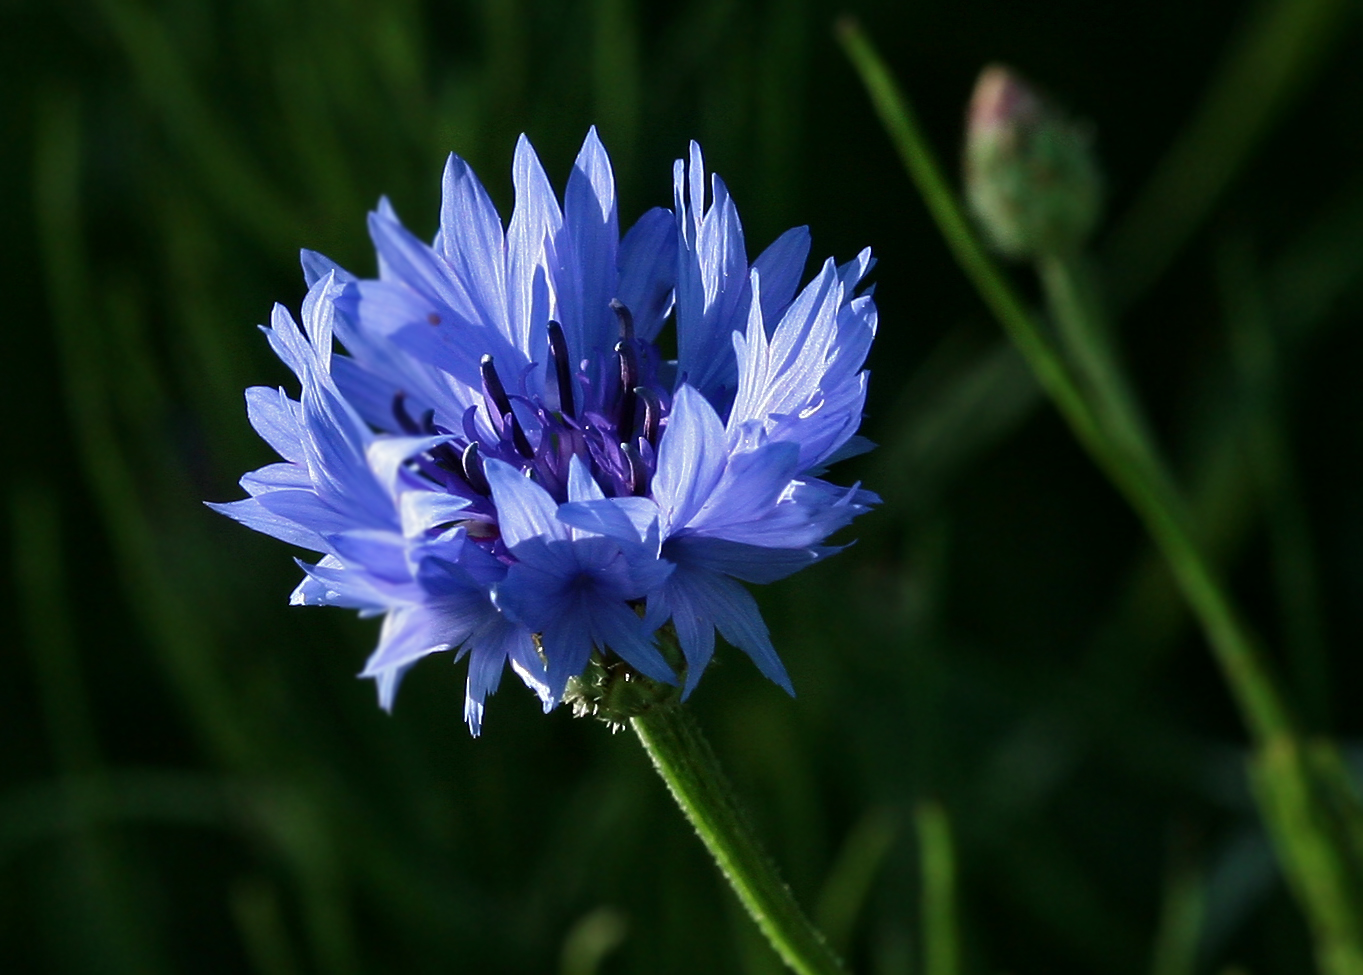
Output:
x=1314 y=819
x=684 y=759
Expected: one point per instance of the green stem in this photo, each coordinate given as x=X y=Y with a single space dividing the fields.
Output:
x=1105 y=426
x=1144 y=479
x=1313 y=819
x=941 y=937
x=684 y=759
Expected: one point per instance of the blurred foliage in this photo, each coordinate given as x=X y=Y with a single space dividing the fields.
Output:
x=193 y=780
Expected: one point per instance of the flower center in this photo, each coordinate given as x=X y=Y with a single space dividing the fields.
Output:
x=609 y=409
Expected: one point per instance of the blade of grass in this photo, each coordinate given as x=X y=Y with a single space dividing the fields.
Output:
x=122 y=934
x=229 y=174
x=1106 y=422
x=1126 y=460
x=257 y=911
x=849 y=882
x=941 y=935
x=1180 y=925
x=186 y=655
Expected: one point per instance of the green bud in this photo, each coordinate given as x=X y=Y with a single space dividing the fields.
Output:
x=612 y=691
x=1030 y=176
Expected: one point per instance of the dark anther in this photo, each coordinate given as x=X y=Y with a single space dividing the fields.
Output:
x=653 y=413
x=409 y=426
x=494 y=393
x=638 y=471
x=629 y=378
x=472 y=464
x=626 y=317
x=519 y=439
x=563 y=368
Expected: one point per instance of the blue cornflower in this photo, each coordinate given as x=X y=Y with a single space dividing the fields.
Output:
x=504 y=462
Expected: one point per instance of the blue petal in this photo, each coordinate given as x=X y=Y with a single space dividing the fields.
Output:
x=371 y=393
x=412 y=632
x=752 y=484
x=751 y=563
x=532 y=252
x=386 y=455
x=387 y=684
x=712 y=287
x=739 y=621
x=524 y=509
x=802 y=382
x=317 y=266
x=691 y=456
x=318 y=314
x=382 y=554
x=695 y=632
x=421 y=511
x=438 y=321
x=648 y=271
x=632 y=520
x=471 y=242
x=485 y=673
x=567 y=642
x=332 y=583
x=699 y=601
x=617 y=626
x=581 y=485
x=276 y=477
x=275 y=417
x=413 y=264
x=251 y=513
x=781 y=266
x=593 y=232
x=305 y=508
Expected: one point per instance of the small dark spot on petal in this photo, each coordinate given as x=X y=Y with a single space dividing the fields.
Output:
x=433 y=318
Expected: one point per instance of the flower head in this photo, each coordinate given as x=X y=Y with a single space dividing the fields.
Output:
x=503 y=462
x=1030 y=175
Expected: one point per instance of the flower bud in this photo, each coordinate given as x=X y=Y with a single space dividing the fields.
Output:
x=1030 y=177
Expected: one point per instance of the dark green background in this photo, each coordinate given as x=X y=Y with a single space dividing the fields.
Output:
x=193 y=780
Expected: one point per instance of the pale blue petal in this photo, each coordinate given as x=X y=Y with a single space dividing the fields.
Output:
x=276 y=418
x=422 y=511
x=471 y=242
x=307 y=509
x=592 y=231
x=691 y=456
x=532 y=254
x=317 y=266
x=251 y=513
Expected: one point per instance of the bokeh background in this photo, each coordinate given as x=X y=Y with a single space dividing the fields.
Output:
x=191 y=777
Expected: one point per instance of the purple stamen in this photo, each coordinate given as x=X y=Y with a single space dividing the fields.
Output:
x=518 y=437
x=629 y=378
x=638 y=473
x=404 y=419
x=472 y=464
x=653 y=412
x=626 y=317
x=494 y=395
x=563 y=369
